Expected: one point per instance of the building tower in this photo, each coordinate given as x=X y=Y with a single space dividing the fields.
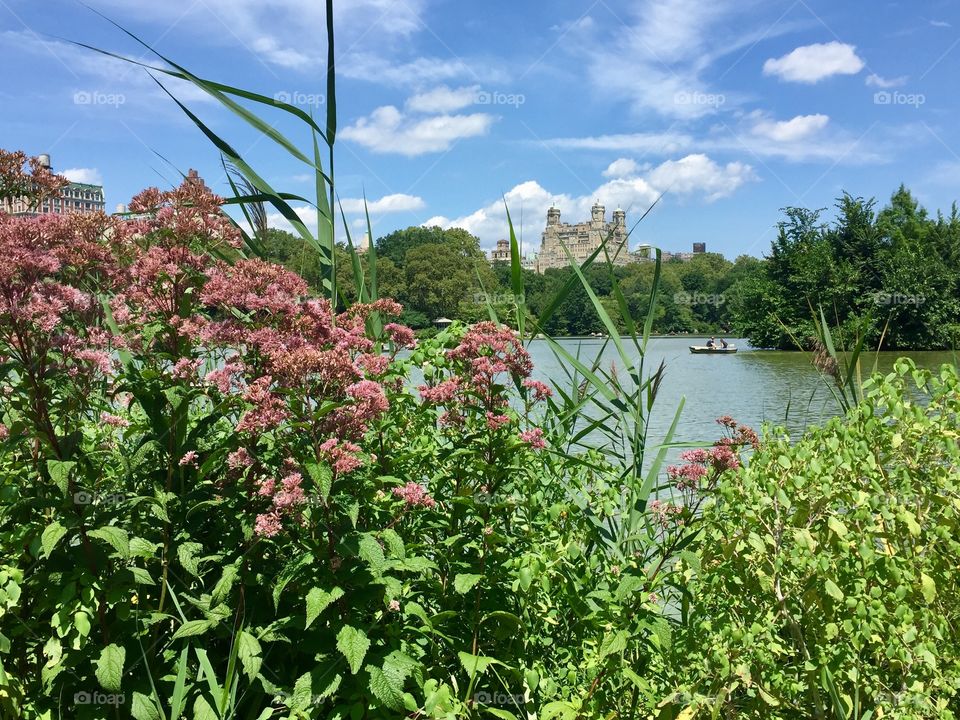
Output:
x=598 y=214
x=553 y=216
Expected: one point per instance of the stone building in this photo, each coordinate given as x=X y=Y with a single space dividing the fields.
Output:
x=74 y=197
x=583 y=238
x=502 y=253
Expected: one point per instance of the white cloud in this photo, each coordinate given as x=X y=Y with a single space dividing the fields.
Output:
x=813 y=63
x=417 y=72
x=801 y=139
x=621 y=168
x=90 y=176
x=698 y=174
x=798 y=128
x=874 y=80
x=388 y=130
x=398 y=202
x=940 y=23
x=667 y=45
x=694 y=175
x=443 y=99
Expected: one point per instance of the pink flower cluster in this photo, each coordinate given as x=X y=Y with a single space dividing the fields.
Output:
x=534 y=438
x=702 y=463
x=665 y=514
x=414 y=495
x=285 y=498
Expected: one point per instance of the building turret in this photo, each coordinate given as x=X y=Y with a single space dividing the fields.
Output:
x=553 y=216
x=619 y=218
x=598 y=213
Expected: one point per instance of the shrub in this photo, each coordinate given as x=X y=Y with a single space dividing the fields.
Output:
x=827 y=580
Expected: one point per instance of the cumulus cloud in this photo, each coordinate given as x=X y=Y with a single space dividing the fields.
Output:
x=621 y=168
x=388 y=130
x=797 y=128
x=397 y=202
x=90 y=176
x=813 y=63
x=691 y=176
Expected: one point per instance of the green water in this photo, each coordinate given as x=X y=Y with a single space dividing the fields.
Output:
x=753 y=386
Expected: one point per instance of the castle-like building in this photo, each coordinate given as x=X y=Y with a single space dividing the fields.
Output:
x=583 y=238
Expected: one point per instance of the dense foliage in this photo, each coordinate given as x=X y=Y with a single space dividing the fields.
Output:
x=826 y=583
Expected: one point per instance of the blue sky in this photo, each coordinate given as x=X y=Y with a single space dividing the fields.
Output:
x=736 y=108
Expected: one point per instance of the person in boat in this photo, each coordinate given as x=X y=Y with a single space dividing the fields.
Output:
x=711 y=343
x=723 y=343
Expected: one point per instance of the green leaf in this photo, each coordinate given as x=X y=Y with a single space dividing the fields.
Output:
x=613 y=644
x=476 y=664
x=248 y=650
x=52 y=534
x=110 y=667
x=202 y=710
x=59 y=472
x=353 y=644
x=559 y=710
x=928 y=587
x=464 y=581
x=838 y=527
x=81 y=621
x=187 y=555
x=116 y=537
x=386 y=688
x=286 y=575
x=143 y=708
x=318 y=600
x=322 y=476
x=833 y=591
x=192 y=628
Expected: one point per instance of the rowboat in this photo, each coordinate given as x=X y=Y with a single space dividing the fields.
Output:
x=704 y=350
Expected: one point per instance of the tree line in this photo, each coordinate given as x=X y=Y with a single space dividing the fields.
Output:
x=889 y=274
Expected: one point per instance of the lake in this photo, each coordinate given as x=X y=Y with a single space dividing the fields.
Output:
x=753 y=386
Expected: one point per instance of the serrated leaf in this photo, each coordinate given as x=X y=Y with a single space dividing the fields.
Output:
x=248 y=650
x=385 y=688
x=476 y=664
x=613 y=643
x=52 y=534
x=322 y=476
x=464 y=581
x=222 y=588
x=187 y=555
x=302 y=692
x=141 y=576
x=59 y=472
x=191 y=628
x=287 y=574
x=116 y=537
x=353 y=644
x=202 y=710
x=318 y=600
x=110 y=667
x=143 y=708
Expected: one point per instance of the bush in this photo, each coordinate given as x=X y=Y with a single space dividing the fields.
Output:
x=827 y=583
